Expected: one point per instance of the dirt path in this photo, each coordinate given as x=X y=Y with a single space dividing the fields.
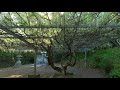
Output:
x=48 y=72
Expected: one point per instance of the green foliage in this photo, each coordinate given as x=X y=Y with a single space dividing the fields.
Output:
x=107 y=59
x=79 y=56
x=105 y=64
x=8 y=58
x=27 y=57
x=109 y=54
x=108 y=66
x=58 y=56
x=115 y=73
x=97 y=62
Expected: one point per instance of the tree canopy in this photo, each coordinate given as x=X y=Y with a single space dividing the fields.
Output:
x=35 y=36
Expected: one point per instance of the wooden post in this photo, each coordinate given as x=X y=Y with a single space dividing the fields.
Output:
x=35 y=59
x=85 y=57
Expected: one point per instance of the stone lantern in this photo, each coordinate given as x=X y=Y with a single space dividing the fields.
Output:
x=18 y=63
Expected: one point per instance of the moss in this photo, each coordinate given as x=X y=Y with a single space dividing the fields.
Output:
x=34 y=76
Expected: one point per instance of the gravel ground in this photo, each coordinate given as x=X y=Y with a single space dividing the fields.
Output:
x=48 y=72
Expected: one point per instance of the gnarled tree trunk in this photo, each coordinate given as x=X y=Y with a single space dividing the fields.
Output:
x=50 y=60
x=71 y=62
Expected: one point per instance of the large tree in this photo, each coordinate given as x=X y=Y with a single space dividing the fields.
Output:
x=67 y=39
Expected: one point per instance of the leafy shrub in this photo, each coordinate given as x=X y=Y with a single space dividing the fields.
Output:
x=27 y=57
x=103 y=63
x=108 y=66
x=79 y=55
x=115 y=73
x=97 y=62
x=106 y=59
